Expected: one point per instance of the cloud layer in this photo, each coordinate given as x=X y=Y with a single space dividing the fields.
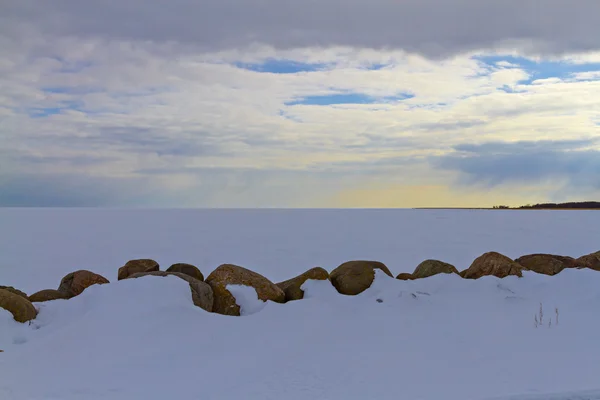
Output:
x=432 y=27
x=245 y=104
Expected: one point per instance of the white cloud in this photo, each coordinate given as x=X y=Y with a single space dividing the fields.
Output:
x=129 y=107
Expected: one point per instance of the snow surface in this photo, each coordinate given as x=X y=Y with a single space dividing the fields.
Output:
x=437 y=338
x=40 y=246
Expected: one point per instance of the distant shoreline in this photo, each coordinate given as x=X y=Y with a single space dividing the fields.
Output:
x=584 y=205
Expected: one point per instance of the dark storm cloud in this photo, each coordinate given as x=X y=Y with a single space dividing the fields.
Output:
x=432 y=27
x=496 y=163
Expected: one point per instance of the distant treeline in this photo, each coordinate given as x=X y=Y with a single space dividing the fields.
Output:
x=571 y=205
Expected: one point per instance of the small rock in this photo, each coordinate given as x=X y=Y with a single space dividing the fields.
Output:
x=47 y=295
x=291 y=287
x=591 y=261
x=354 y=277
x=229 y=274
x=135 y=266
x=492 y=263
x=75 y=283
x=187 y=269
x=548 y=264
x=433 y=267
x=15 y=291
x=21 y=308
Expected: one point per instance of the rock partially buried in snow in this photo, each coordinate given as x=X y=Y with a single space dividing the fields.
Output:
x=15 y=291
x=47 y=295
x=228 y=274
x=292 y=287
x=135 y=266
x=354 y=277
x=75 y=283
x=591 y=261
x=492 y=263
x=247 y=298
x=405 y=276
x=21 y=308
x=202 y=293
x=433 y=267
x=548 y=264
x=187 y=269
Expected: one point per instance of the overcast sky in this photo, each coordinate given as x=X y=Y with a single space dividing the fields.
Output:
x=277 y=103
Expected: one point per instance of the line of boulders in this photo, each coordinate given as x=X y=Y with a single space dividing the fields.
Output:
x=350 y=278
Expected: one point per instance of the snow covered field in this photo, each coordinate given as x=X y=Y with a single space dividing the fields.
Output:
x=438 y=338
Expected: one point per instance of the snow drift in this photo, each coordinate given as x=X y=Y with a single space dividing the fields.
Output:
x=442 y=337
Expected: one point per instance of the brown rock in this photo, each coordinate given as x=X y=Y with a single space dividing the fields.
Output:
x=47 y=295
x=187 y=269
x=405 y=276
x=228 y=274
x=591 y=261
x=354 y=277
x=433 y=267
x=494 y=264
x=291 y=287
x=21 y=308
x=15 y=291
x=202 y=294
x=548 y=264
x=135 y=266
x=75 y=283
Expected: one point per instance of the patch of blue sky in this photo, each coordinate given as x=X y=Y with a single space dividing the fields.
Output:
x=41 y=112
x=281 y=66
x=539 y=69
x=347 y=98
x=75 y=90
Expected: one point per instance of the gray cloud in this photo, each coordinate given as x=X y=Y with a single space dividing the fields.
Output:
x=432 y=27
x=496 y=163
x=53 y=190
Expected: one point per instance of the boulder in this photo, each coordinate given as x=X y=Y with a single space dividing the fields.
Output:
x=75 y=283
x=433 y=267
x=135 y=266
x=202 y=294
x=187 y=269
x=228 y=274
x=591 y=261
x=291 y=287
x=405 y=276
x=15 y=291
x=47 y=295
x=354 y=277
x=494 y=264
x=21 y=308
x=548 y=264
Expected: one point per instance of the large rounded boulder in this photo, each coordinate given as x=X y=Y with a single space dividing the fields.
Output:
x=292 y=287
x=187 y=269
x=433 y=267
x=15 y=291
x=494 y=264
x=548 y=264
x=47 y=295
x=202 y=294
x=354 y=277
x=229 y=274
x=21 y=308
x=134 y=266
x=75 y=283
x=591 y=261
